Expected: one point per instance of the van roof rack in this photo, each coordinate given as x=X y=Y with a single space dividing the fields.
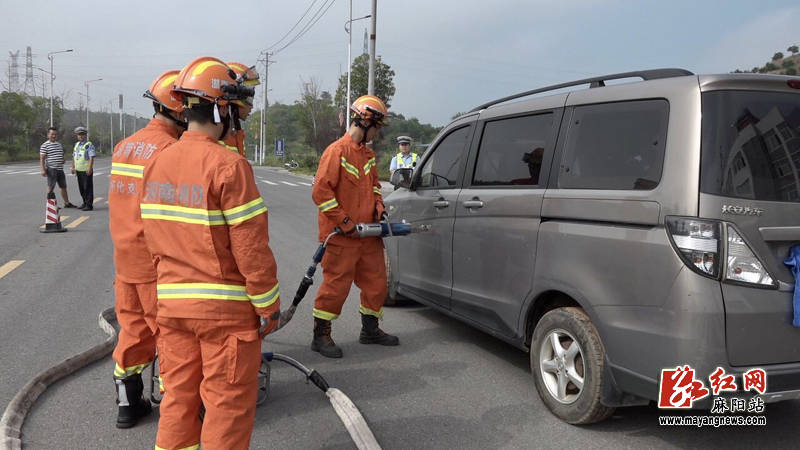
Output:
x=645 y=75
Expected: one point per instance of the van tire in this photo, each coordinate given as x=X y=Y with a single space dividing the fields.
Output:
x=571 y=322
x=391 y=298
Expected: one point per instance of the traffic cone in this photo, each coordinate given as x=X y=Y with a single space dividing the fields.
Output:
x=52 y=216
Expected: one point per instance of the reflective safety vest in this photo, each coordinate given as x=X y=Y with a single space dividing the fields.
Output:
x=401 y=164
x=80 y=156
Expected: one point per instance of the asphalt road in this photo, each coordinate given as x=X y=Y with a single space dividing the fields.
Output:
x=446 y=386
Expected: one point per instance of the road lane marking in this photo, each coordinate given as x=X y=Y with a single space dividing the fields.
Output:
x=270 y=183
x=77 y=222
x=38 y=172
x=97 y=173
x=6 y=268
x=98 y=199
x=21 y=171
x=304 y=184
x=290 y=184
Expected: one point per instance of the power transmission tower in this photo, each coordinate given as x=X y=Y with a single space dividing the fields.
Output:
x=29 y=88
x=13 y=73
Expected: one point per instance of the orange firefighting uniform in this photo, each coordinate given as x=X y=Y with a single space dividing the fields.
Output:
x=206 y=227
x=135 y=280
x=346 y=185
x=234 y=140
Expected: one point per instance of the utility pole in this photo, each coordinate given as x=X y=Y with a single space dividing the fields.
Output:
x=87 y=103
x=262 y=154
x=371 y=84
x=53 y=77
x=111 y=124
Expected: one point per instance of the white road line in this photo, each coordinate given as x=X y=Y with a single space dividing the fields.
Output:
x=6 y=268
x=290 y=184
x=38 y=172
x=21 y=171
x=269 y=182
x=97 y=173
x=97 y=199
x=304 y=184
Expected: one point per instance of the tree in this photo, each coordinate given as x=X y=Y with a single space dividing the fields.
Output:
x=770 y=67
x=359 y=81
x=790 y=71
x=317 y=116
x=777 y=56
x=793 y=50
x=787 y=63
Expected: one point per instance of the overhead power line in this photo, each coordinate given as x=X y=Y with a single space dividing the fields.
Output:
x=293 y=26
x=311 y=22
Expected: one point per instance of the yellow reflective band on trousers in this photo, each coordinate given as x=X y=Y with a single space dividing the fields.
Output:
x=183 y=214
x=324 y=315
x=244 y=212
x=329 y=205
x=120 y=372
x=266 y=299
x=209 y=291
x=369 y=165
x=351 y=169
x=127 y=170
x=369 y=312
x=191 y=447
x=376 y=190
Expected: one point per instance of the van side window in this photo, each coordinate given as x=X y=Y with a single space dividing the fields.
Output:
x=512 y=150
x=615 y=146
x=441 y=169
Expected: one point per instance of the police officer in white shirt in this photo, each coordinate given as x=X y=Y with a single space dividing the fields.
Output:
x=404 y=158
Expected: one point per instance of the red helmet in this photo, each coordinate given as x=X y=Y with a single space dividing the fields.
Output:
x=161 y=91
x=204 y=78
x=372 y=108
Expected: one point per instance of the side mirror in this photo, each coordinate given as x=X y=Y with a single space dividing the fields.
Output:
x=401 y=178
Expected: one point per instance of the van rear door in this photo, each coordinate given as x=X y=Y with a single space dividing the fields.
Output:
x=750 y=180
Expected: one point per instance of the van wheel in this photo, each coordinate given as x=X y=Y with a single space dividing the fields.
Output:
x=567 y=359
x=391 y=297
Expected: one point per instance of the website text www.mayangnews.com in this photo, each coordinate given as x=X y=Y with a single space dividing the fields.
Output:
x=712 y=421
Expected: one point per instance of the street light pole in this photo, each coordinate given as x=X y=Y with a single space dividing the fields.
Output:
x=371 y=84
x=52 y=78
x=87 y=103
x=348 y=27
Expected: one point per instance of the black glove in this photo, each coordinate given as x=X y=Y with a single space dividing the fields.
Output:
x=385 y=217
x=347 y=227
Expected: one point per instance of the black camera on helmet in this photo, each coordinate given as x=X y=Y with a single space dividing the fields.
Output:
x=238 y=91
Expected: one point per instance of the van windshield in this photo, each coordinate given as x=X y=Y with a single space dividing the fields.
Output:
x=751 y=145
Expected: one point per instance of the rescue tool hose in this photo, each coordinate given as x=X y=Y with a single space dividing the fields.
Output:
x=14 y=415
x=345 y=408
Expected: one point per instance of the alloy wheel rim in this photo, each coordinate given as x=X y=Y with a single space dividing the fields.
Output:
x=561 y=363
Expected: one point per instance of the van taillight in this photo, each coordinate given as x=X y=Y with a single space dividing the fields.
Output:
x=697 y=242
x=743 y=266
x=794 y=84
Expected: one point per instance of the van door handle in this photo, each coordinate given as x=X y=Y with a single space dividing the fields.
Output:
x=473 y=204
x=439 y=204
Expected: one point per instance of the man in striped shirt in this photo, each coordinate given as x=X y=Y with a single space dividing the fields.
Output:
x=51 y=158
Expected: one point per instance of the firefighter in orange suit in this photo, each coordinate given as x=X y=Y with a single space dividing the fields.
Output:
x=206 y=227
x=247 y=76
x=135 y=277
x=347 y=191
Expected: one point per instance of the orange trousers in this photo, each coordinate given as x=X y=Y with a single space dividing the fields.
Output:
x=341 y=266
x=135 y=305
x=215 y=362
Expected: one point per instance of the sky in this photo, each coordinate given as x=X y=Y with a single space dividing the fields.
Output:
x=448 y=56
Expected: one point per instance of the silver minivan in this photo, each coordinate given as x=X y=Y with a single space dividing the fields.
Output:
x=615 y=231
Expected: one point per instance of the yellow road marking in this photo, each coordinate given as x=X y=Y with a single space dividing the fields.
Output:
x=98 y=199
x=9 y=266
x=77 y=221
x=63 y=218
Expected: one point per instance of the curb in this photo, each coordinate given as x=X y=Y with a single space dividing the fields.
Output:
x=14 y=415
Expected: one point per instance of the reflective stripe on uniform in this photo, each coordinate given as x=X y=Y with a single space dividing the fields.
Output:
x=191 y=447
x=351 y=169
x=182 y=214
x=376 y=190
x=229 y=147
x=329 y=205
x=369 y=312
x=402 y=164
x=211 y=291
x=126 y=372
x=127 y=170
x=369 y=165
x=244 y=212
x=324 y=315
x=266 y=299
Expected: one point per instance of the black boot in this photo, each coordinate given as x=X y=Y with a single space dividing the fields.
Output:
x=322 y=342
x=132 y=404
x=371 y=334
